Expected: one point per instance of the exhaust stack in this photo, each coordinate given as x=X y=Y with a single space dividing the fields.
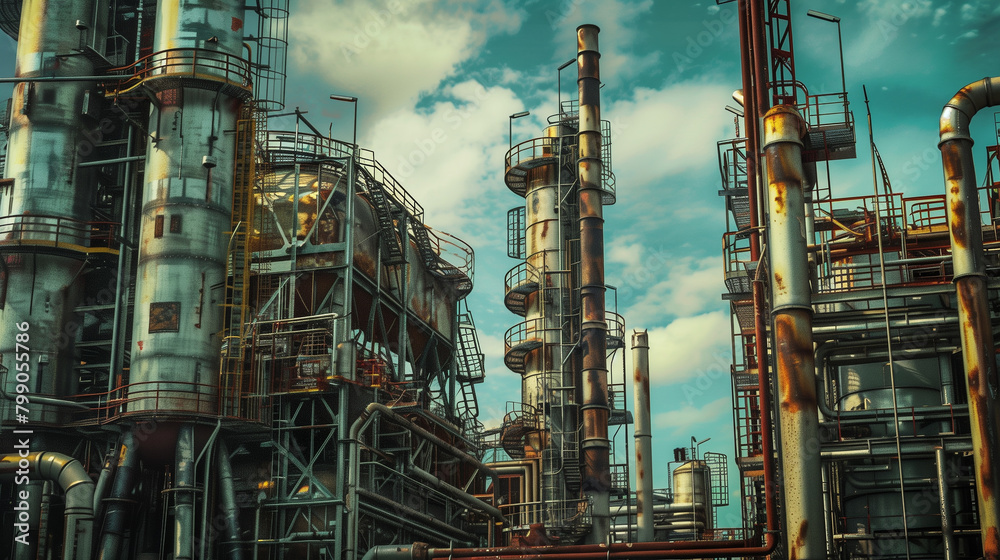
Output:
x=643 y=436
x=594 y=374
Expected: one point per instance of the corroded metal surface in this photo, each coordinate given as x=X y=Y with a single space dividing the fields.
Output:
x=978 y=347
x=189 y=185
x=643 y=436
x=594 y=374
x=792 y=316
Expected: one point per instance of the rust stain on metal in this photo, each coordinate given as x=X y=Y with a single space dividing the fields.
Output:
x=951 y=159
x=794 y=350
x=779 y=282
x=991 y=545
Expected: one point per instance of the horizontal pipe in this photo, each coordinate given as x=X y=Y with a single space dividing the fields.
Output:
x=456 y=493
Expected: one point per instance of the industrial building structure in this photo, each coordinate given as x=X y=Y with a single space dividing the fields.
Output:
x=224 y=341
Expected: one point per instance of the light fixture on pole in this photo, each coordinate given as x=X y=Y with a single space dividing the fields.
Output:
x=510 y=126
x=840 y=45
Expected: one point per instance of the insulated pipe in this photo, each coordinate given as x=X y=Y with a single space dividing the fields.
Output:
x=78 y=512
x=643 y=437
x=595 y=447
x=978 y=350
x=184 y=494
x=118 y=515
x=227 y=502
x=792 y=315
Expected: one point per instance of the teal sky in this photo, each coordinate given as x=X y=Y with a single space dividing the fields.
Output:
x=437 y=79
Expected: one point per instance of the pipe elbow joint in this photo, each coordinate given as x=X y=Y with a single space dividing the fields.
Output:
x=958 y=112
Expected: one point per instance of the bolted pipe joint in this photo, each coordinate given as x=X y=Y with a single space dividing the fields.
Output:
x=960 y=109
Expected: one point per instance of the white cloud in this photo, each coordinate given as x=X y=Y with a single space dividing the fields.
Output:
x=449 y=157
x=616 y=18
x=685 y=286
x=659 y=133
x=692 y=350
x=393 y=50
x=680 y=422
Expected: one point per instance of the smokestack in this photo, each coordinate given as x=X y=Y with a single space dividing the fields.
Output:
x=593 y=343
x=978 y=351
x=792 y=316
x=643 y=436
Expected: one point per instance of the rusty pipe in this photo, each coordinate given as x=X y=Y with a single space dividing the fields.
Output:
x=643 y=437
x=595 y=446
x=978 y=350
x=792 y=316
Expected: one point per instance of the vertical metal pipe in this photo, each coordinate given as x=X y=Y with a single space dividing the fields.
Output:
x=594 y=373
x=643 y=436
x=187 y=206
x=792 y=316
x=184 y=494
x=978 y=349
x=944 y=501
x=48 y=198
x=227 y=497
x=118 y=516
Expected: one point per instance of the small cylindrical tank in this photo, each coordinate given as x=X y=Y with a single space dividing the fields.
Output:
x=692 y=484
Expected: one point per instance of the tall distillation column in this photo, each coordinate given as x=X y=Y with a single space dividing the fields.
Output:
x=48 y=202
x=544 y=387
x=199 y=83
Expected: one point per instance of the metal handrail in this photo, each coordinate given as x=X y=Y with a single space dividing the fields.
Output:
x=280 y=142
x=616 y=324
x=195 y=63
x=452 y=250
x=113 y=404
x=523 y=273
x=366 y=160
x=41 y=228
x=537 y=148
x=524 y=331
x=927 y=211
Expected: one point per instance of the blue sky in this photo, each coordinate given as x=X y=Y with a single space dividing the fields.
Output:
x=437 y=79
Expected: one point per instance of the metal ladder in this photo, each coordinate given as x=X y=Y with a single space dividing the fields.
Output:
x=386 y=223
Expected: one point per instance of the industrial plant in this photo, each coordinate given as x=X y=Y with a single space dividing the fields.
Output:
x=222 y=338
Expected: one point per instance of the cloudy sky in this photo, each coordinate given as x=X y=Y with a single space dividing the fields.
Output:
x=437 y=80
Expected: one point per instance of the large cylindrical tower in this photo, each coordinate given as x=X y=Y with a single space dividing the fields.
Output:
x=199 y=83
x=44 y=229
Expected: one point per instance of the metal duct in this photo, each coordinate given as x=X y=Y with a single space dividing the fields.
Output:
x=79 y=500
x=792 y=316
x=643 y=436
x=187 y=205
x=117 y=517
x=595 y=447
x=978 y=350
